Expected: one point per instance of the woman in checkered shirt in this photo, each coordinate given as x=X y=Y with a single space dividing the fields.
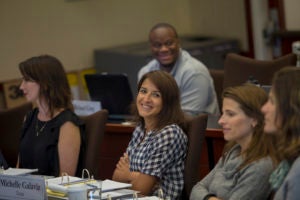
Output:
x=155 y=156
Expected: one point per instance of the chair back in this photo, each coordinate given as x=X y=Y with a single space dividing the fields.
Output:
x=238 y=69
x=94 y=129
x=196 y=135
x=11 y=121
x=218 y=78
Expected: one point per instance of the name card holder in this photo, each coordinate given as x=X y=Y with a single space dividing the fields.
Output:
x=84 y=107
x=25 y=187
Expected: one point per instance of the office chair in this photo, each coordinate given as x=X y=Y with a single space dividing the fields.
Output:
x=94 y=129
x=238 y=69
x=11 y=121
x=196 y=135
x=218 y=78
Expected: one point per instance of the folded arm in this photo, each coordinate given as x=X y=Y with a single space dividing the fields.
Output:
x=140 y=182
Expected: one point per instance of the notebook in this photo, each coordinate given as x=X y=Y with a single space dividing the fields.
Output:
x=114 y=93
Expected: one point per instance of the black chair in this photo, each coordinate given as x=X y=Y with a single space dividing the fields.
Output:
x=94 y=129
x=196 y=135
x=11 y=121
x=218 y=78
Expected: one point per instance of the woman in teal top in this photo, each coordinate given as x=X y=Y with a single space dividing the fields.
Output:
x=282 y=118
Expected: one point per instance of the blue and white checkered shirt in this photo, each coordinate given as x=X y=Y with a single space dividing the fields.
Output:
x=161 y=154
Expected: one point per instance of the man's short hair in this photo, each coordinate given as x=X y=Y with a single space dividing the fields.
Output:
x=164 y=25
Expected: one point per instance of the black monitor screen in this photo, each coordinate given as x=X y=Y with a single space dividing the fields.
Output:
x=112 y=90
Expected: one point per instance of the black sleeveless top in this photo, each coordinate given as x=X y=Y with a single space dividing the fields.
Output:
x=39 y=143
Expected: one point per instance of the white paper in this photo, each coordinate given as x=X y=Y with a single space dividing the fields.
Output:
x=108 y=185
x=84 y=108
x=117 y=193
x=18 y=171
x=58 y=185
x=146 y=198
x=63 y=180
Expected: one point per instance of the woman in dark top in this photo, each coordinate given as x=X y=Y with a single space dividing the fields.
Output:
x=52 y=139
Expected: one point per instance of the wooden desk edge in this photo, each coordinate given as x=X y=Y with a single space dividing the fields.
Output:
x=214 y=133
x=120 y=128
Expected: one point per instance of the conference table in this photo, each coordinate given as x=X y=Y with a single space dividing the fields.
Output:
x=117 y=137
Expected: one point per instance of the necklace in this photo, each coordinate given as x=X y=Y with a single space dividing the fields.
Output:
x=40 y=129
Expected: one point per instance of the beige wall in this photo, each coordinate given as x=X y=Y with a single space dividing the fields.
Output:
x=292 y=14
x=219 y=18
x=71 y=30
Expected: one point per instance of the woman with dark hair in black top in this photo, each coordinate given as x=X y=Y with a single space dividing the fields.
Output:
x=52 y=138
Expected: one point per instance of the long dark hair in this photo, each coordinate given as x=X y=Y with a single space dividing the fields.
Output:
x=286 y=90
x=171 y=110
x=49 y=73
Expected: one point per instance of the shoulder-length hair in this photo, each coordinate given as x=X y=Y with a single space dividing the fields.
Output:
x=48 y=72
x=171 y=109
x=286 y=90
x=250 y=99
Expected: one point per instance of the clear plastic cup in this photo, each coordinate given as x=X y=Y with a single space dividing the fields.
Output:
x=77 y=192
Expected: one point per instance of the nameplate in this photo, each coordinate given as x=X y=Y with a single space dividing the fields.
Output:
x=83 y=108
x=22 y=187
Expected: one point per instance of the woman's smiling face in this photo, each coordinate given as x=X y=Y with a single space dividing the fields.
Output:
x=149 y=101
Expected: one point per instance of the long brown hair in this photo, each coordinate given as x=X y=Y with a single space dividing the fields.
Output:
x=286 y=90
x=171 y=110
x=250 y=99
x=49 y=73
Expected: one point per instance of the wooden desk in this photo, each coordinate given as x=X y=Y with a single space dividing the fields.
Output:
x=117 y=137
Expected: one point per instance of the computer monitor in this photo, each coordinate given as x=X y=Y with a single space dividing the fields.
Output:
x=113 y=91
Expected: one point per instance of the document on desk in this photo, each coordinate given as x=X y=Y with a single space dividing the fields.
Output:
x=109 y=185
x=18 y=171
x=63 y=180
x=59 y=186
x=146 y=198
x=115 y=194
x=113 y=189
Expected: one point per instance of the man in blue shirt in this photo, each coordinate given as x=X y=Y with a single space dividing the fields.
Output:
x=193 y=78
